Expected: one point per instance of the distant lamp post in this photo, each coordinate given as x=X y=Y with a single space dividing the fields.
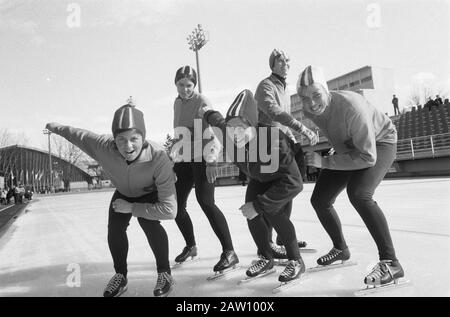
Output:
x=196 y=40
x=48 y=132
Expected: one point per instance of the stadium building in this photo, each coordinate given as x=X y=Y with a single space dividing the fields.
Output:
x=31 y=167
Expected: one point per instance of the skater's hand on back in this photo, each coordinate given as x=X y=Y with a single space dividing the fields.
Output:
x=313 y=159
x=122 y=206
x=248 y=210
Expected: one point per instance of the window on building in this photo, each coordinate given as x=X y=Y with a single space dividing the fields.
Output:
x=366 y=79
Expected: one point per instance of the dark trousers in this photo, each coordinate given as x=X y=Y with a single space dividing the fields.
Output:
x=118 y=240
x=261 y=226
x=361 y=185
x=188 y=174
x=300 y=159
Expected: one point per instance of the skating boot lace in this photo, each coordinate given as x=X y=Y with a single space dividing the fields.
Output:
x=163 y=278
x=114 y=283
x=289 y=270
x=258 y=265
x=378 y=271
x=279 y=252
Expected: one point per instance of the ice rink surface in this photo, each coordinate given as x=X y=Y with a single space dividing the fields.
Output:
x=58 y=237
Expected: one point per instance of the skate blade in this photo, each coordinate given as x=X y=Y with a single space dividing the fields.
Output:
x=319 y=268
x=188 y=261
x=398 y=283
x=222 y=274
x=287 y=285
x=250 y=279
x=307 y=250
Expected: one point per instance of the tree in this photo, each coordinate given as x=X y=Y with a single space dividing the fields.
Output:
x=424 y=86
x=8 y=138
x=69 y=152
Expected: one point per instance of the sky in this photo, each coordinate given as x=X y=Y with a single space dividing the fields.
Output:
x=76 y=62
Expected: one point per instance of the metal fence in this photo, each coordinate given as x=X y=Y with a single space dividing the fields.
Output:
x=428 y=146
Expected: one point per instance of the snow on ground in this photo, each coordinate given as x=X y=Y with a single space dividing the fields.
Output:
x=59 y=236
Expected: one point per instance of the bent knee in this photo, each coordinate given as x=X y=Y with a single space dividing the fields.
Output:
x=358 y=196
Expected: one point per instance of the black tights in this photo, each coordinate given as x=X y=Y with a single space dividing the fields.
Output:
x=189 y=174
x=361 y=185
x=118 y=240
x=260 y=226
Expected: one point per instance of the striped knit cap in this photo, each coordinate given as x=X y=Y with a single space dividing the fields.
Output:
x=274 y=55
x=311 y=75
x=186 y=72
x=128 y=117
x=244 y=106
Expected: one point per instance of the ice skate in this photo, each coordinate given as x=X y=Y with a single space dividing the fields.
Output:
x=291 y=275
x=301 y=245
x=279 y=254
x=226 y=265
x=327 y=262
x=258 y=269
x=164 y=285
x=189 y=254
x=385 y=275
x=116 y=286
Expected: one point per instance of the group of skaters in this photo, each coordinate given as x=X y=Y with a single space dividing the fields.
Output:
x=154 y=186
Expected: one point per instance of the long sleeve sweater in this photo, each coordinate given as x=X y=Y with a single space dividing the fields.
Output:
x=151 y=171
x=186 y=112
x=285 y=181
x=274 y=106
x=353 y=126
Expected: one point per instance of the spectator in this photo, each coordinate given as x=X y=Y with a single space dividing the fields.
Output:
x=438 y=100
x=446 y=102
x=395 y=104
x=9 y=195
x=430 y=103
x=3 y=196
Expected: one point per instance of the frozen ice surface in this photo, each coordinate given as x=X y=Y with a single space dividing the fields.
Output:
x=58 y=237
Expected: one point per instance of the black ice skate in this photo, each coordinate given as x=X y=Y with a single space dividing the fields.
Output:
x=384 y=272
x=116 y=286
x=187 y=255
x=291 y=275
x=385 y=275
x=259 y=268
x=326 y=262
x=164 y=285
x=227 y=263
x=333 y=256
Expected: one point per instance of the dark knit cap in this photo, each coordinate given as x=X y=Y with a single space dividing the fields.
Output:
x=186 y=72
x=128 y=117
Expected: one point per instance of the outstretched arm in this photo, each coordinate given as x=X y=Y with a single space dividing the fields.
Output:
x=87 y=141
